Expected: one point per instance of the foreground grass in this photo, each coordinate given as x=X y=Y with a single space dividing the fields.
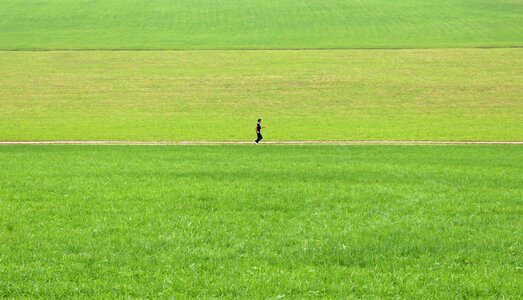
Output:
x=261 y=222
x=255 y=24
x=452 y=94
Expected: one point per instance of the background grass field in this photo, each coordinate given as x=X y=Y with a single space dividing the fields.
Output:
x=261 y=222
x=459 y=94
x=255 y=24
x=268 y=221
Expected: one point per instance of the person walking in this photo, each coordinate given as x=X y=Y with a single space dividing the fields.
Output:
x=259 y=127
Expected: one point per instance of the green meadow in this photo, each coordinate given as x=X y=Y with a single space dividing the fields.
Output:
x=266 y=221
x=445 y=94
x=261 y=221
x=258 y=24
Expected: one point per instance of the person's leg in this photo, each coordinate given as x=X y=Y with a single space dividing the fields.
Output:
x=259 y=137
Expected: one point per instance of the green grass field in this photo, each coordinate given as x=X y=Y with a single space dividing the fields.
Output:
x=458 y=94
x=255 y=24
x=261 y=222
x=268 y=221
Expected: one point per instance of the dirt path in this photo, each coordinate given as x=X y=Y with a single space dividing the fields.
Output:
x=378 y=142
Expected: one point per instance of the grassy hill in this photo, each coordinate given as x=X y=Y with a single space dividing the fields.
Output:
x=272 y=221
x=235 y=24
x=446 y=94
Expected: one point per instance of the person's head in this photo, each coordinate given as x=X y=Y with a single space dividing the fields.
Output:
x=259 y=120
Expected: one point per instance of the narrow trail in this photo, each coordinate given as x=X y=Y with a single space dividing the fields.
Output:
x=248 y=49
x=306 y=142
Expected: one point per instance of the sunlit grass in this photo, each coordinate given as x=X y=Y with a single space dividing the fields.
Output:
x=261 y=221
x=460 y=94
x=255 y=24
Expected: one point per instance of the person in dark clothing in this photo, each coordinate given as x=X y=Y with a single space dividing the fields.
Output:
x=259 y=137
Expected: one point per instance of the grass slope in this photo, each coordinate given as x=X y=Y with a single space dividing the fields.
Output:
x=261 y=221
x=459 y=94
x=233 y=24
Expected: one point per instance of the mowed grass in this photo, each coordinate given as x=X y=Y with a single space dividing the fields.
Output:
x=261 y=221
x=452 y=94
x=256 y=24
